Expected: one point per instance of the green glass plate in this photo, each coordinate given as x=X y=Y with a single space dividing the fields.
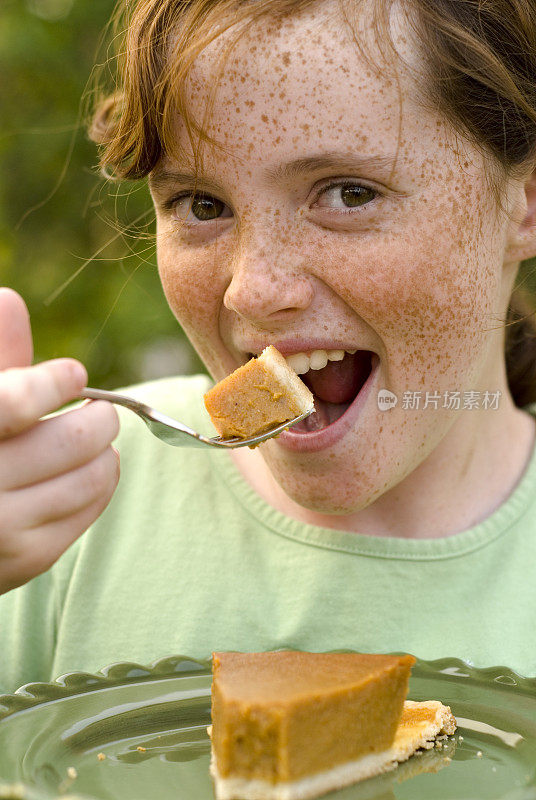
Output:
x=139 y=733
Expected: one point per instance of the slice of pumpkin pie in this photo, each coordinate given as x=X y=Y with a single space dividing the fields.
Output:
x=257 y=396
x=290 y=725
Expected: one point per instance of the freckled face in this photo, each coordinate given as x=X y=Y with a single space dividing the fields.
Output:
x=383 y=236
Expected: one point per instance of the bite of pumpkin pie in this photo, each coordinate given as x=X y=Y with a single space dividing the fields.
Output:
x=289 y=725
x=257 y=396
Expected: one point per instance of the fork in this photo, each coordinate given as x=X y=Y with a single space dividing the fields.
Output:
x=172 y=432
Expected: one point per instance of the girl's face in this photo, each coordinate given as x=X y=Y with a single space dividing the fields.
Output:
x=337 y=215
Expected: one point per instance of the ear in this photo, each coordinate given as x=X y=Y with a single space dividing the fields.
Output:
x=522 y=238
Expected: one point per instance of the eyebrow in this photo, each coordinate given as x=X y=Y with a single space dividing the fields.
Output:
x=162 y=178
x=330 y=160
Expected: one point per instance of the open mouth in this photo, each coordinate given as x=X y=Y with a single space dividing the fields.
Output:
x=335 y=377
x=335 y=387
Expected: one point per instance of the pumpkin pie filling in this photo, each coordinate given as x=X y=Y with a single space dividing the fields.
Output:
x=261 y=394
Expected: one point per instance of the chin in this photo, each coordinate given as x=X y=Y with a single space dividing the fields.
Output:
x=323 y=493
x=328 y=505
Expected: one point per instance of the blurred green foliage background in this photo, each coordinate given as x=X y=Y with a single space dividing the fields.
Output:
x=80 y=251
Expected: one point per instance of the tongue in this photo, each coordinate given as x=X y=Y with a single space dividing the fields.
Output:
x=340 y=381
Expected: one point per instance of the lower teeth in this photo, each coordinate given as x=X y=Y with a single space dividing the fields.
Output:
x=314 y=423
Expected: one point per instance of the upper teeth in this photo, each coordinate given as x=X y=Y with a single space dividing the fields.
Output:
x=317 y=359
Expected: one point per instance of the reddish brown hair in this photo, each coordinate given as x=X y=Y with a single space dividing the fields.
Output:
x=481 y=60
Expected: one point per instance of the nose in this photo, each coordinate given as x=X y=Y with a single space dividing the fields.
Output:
x=267 y=285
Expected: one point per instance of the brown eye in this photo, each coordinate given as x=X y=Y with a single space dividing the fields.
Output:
x=203 y=207
x=354 y=195
x=340 y=196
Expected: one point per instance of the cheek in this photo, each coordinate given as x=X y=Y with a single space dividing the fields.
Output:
x=430 y=289
x=194 y=285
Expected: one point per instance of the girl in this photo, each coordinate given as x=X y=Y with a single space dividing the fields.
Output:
x=353 y=182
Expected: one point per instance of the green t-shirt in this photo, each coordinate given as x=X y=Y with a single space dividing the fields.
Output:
x=188 y=559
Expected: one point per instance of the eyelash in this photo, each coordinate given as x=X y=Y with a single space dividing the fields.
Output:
x=169 y=204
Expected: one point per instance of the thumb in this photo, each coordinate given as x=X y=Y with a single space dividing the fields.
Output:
x=16 y=348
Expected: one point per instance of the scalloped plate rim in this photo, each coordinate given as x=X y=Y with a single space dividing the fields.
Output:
x=72 y=683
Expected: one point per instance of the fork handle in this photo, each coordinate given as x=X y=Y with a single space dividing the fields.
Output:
x=112 y=397
x=163 y=427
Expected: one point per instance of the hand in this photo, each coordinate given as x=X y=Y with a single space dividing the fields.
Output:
x=56 y=475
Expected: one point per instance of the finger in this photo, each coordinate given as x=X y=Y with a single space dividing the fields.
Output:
x=57 y=445
x=39 y=549
x=16 y=349
x=27 y=394
x=62 y=496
